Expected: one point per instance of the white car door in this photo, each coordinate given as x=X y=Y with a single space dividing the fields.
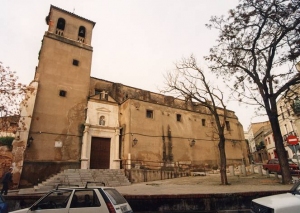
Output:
x=87 y=200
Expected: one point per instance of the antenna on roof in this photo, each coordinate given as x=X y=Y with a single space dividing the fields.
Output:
x=74 y=10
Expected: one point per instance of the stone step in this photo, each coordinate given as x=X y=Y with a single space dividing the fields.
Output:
x=114 y=177
x=43 y=188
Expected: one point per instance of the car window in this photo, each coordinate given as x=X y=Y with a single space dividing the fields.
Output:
x=298 y=189
x=85 y=198
x=290 y=161
x=273 y=161
x=115 y=197
x=54 y=200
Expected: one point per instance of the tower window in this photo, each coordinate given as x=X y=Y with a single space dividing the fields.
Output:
x=75 y=62
x=203 y=122
x=149 y=113
x=62 y=93
x=178 y=117
x=60 y=27
x=81 y=34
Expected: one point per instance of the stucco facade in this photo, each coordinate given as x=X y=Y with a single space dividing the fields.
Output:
x=289 y=117
x=78 y=121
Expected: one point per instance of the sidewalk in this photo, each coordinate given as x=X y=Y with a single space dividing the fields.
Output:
x=209 y=184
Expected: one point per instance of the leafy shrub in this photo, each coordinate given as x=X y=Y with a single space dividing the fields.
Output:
x=6 y=141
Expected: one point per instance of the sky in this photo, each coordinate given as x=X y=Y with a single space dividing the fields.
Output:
x=135 y=42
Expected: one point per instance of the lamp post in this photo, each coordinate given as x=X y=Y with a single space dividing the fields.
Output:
x=134 y=142
x=30 y=140
x=192 y=142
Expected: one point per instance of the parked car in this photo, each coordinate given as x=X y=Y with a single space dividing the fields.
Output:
x=3 y=205
x=281 y=203
x=273 y=166
x=295 y=160
x=90 y=199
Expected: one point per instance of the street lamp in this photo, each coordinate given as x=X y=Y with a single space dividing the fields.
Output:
x=29 y=142
x=192 y=142
x=134 y=142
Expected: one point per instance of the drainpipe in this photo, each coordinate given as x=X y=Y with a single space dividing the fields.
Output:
x=130 y=137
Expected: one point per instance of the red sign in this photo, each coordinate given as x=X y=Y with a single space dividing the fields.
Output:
x=292 y=140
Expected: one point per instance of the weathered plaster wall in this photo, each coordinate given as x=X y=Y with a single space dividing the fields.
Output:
x=58 y=118
x=5 y=159
x=175 y=145
x=21 y=140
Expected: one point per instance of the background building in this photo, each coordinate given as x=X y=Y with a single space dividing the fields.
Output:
x=253 y=132
x=288 y=107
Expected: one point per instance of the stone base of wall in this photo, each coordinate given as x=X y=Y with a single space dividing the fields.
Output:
x=141 y=175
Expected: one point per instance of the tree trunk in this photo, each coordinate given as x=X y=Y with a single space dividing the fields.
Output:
x=221 y=145
x=282 y=156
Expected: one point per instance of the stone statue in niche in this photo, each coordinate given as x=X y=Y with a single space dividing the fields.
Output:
x=102 y=120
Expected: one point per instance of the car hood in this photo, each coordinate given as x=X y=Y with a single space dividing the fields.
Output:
x=281 y=203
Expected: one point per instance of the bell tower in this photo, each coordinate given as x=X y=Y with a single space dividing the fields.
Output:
x=63 y=77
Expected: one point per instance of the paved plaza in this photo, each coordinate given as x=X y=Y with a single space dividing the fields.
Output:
x=208 y=184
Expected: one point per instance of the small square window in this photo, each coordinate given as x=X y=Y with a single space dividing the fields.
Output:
x=149 y=113
x=203 y=122
x=62 y=93
x=97 y=91
x=227 y=125
x=75 y=62
x=178 y=117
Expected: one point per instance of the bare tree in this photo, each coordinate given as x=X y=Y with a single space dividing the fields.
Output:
x=188 y=80
x=12 y=94
x=256 y=50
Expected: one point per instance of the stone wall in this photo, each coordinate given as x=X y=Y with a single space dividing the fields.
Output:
x=5 y=159
x=142 y=175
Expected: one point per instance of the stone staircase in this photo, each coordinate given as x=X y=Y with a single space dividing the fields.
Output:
x=111 y=177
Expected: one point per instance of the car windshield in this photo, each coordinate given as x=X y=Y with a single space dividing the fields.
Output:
x=54 y=200
x=296 y=188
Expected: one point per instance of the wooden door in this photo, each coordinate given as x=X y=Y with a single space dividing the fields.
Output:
x=100 y=153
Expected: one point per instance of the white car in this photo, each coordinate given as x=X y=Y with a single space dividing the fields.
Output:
x=281 y=203
x=91 y=199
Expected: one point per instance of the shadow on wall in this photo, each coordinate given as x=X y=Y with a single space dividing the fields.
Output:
x=5 y=159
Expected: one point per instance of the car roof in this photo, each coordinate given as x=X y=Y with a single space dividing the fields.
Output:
x=88 y=184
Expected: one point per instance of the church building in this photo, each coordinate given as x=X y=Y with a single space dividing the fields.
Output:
x=71 y=120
